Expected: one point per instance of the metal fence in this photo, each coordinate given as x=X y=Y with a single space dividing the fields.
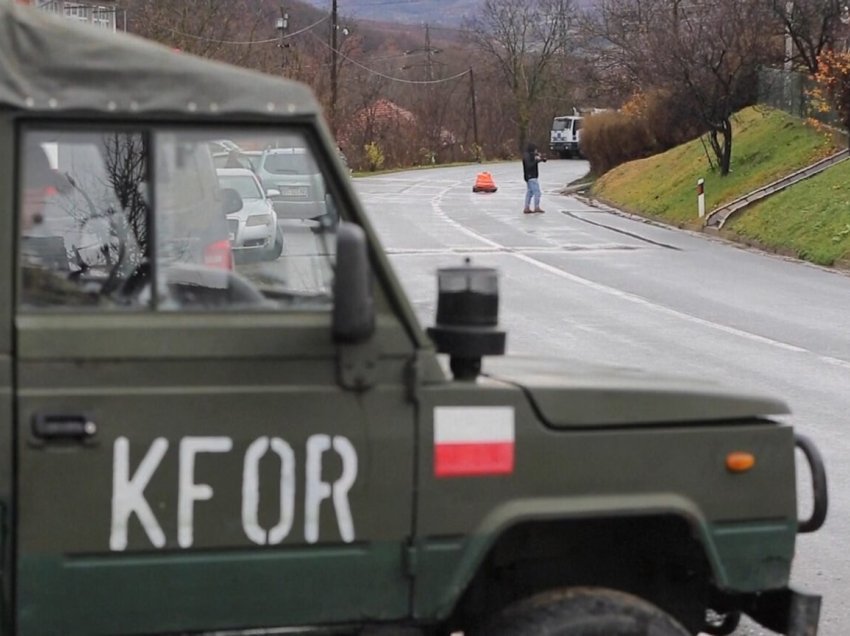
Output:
x=791 y=91
x=102 y=15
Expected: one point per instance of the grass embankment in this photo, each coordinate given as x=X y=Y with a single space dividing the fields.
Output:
x=810 y=220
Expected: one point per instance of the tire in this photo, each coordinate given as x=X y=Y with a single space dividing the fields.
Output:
x=583 y=611
x=276 y=249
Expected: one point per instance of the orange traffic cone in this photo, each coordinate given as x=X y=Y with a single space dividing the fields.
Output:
x=484 y=183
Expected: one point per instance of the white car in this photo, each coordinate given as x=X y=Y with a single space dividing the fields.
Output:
x=254 y=228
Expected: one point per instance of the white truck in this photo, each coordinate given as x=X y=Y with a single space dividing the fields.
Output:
x=565 y=136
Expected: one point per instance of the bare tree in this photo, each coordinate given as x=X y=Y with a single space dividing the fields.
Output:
x=811 y=25
x=706 y=52
x=523 y=38
x=234 y=31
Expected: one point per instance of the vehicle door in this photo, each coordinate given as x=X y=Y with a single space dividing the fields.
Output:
x=188 y=457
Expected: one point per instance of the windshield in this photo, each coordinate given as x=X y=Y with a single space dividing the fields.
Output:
x=290 y=161
x=561 y=124
x=245 y=185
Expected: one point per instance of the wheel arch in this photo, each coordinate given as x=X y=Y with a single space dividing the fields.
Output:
x=558 y=527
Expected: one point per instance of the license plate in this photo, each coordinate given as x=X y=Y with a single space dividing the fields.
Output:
x=293 y=191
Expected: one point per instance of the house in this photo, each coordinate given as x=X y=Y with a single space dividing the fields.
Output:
x=104 y=13
x=397 y=131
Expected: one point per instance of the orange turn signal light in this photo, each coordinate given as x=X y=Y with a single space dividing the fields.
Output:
x=740 y=462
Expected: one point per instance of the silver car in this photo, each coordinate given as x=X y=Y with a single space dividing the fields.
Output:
x=296 y=180
x=254 y=228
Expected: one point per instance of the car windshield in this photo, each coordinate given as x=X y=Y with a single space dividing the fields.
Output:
x=560 y=124
x=245 y=185
x=290 y=161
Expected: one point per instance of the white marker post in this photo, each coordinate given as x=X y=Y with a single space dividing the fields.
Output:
x=701 y=197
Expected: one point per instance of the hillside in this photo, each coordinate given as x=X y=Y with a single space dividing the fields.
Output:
x=810 y=220
x=443 y=12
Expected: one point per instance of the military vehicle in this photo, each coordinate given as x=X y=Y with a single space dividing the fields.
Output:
x=188 y=444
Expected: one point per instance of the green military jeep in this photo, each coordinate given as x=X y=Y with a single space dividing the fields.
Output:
x=192 y=444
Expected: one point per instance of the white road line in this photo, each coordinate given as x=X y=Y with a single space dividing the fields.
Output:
x=844 y=364
x=436 y=205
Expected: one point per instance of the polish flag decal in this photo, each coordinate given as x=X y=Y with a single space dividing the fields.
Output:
x=473 y=441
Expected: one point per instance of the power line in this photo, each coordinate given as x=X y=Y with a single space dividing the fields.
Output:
x=244 y=42
x=401 y=80
x=381 y=3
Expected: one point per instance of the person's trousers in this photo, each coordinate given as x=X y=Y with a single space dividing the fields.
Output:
x=532 y=190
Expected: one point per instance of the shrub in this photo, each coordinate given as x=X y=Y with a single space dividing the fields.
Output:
x=670 y=120
x=611 y=138
x=648 y=123
x=374 y=156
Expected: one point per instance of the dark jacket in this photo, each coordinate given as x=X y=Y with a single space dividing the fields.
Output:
x=530 y=159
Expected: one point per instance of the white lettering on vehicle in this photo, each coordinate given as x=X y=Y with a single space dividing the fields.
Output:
x=251 y=491
x=188 y=491
x=128 y=492
x=318 y=490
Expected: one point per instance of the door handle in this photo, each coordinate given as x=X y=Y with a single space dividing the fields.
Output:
x=62 y=426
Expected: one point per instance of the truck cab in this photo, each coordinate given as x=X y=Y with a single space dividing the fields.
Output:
x=192 y=444
x=565 y=136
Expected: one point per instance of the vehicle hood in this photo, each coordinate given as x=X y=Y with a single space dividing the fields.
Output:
x=251 y=207
x=570 y=394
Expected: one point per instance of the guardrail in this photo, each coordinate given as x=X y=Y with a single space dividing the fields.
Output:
x=717 y=218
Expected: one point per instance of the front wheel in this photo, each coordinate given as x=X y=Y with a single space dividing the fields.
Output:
x=582 y=612
x=277 y=247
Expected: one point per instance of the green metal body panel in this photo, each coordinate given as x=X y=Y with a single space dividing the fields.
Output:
x=68 y=564
x=148 y=594
x=570 y=394
x=590 y=473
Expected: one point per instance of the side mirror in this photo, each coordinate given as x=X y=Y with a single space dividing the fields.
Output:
x=354 y=306
x=271 y=192
x=231 y=201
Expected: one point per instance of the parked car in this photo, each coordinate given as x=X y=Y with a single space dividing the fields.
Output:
x=297 y=180
x=236 y=158
x=254 y=228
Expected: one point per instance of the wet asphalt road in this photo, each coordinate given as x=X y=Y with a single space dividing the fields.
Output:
x=585 y=284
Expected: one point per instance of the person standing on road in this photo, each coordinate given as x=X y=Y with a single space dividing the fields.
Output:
x=530 y=159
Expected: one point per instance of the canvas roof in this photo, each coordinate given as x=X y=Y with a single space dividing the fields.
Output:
x=50 y=64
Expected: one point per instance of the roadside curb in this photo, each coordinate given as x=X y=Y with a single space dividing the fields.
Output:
x=575 y=187
x=841 y=266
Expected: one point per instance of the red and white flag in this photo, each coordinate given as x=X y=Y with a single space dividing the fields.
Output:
x=473 y=441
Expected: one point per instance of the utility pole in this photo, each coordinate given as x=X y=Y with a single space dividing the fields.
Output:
x=334 y=63
x=430 y=52
x=282 y=26
x=474 y=114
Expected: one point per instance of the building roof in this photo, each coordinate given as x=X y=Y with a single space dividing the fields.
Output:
x=49 y=64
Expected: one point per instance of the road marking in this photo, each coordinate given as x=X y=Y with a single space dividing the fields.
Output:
x=436 y=206
x=619 y=231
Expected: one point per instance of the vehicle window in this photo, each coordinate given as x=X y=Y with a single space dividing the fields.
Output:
x=559 y=124
x=233 y=158
x=97 y=231
x=246 y=186
x=578 y=124
x=84 y=219
x=218 y=248
x=288 y=161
